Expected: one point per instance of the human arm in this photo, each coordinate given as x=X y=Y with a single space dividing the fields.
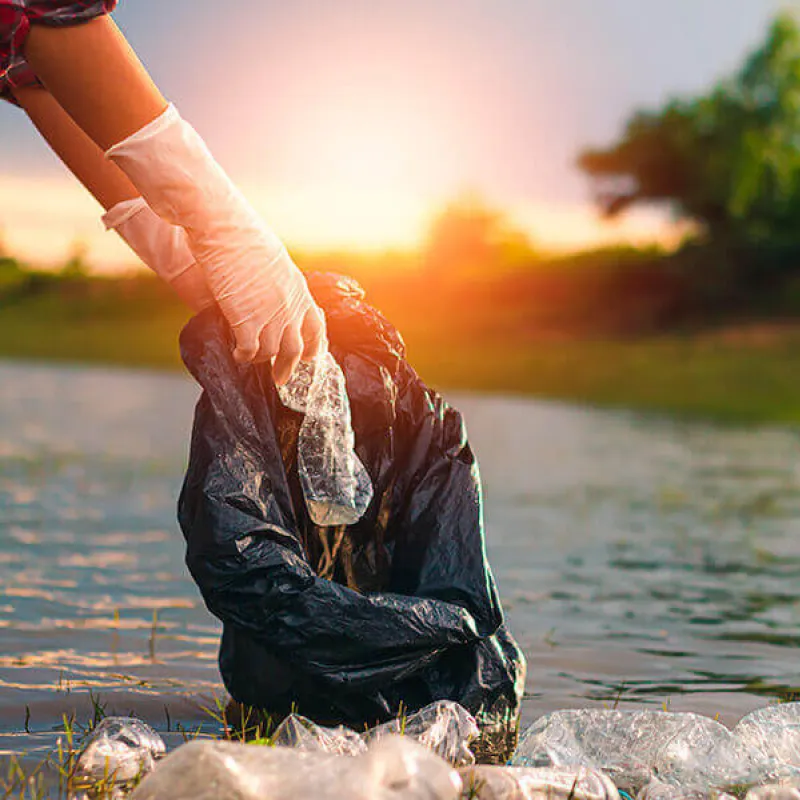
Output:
x=161 y=246
x=259 y=289
x=96 y=78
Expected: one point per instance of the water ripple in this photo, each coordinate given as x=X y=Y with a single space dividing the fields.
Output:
x=640 y=560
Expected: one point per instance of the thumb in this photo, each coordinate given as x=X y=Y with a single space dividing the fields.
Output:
x=247 y=343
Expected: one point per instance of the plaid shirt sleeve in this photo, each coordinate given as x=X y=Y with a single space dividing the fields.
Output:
x=16 y=17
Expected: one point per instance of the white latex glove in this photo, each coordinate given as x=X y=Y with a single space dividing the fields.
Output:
x=162 y=247
x=261 y=292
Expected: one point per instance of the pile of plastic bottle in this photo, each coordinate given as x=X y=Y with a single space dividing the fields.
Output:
x=567 y=755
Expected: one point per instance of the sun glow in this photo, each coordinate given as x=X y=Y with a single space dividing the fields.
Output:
x=361 y=171
x=347 y=218
x=368 y=170
x=351 y=144
x=43 y=220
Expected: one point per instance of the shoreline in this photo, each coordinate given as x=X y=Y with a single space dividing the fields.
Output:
x=733 y=371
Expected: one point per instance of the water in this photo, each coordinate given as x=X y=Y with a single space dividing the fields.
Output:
x=641 y=561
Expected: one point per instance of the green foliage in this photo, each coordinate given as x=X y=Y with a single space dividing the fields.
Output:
x=76 y=266
x=585 y=330
x=132 y=321
x=728 y=160
x=11 y=274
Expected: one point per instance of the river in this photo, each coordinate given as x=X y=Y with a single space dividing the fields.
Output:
x=640 y=560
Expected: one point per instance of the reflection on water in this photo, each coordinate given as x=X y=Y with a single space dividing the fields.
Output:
x=93 y=590
x=640 y=560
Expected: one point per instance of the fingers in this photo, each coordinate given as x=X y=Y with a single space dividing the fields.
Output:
x=248 y=342
x=313 y=333
x=289 y=356
x=287 y=347
x=256 y=342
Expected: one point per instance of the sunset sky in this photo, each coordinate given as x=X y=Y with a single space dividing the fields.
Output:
x=348 y=121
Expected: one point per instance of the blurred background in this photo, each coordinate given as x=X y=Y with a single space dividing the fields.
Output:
x=577 y=213
x=573 y=185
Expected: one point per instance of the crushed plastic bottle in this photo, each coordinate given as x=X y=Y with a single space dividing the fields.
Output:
x=394 y=768
x=658 y=790
x=443 y=727
x=336 y=486
x=119 y=751
x=634 y=747
x=775 y=791
x=542 y=783
x=771 y=738
x=702 y=753
x=303 y=734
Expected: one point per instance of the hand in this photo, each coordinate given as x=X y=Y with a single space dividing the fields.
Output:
x=271 y=312
x=261 y=292
x=162 y=247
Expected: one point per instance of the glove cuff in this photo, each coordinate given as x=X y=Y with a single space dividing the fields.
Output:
x=171 y=166
x=161 y=246
x=168 y=117
x=122 y=212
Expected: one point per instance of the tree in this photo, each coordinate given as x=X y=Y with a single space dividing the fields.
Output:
x=728 y=160
x=468 y=238
x=76 y=266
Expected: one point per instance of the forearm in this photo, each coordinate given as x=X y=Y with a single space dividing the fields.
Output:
x=97 y=79
x=162 y=248
x=102 y=66
x=104 y=180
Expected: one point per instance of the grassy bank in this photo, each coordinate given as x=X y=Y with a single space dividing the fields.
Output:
x=127 y=323
x=466 y=338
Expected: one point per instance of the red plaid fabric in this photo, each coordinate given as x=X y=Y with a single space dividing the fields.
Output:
x=16 y=17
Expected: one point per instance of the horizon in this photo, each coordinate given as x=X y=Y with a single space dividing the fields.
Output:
x=348 y=127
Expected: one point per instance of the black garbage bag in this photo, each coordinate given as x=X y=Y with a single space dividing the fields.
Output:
x=350 y=624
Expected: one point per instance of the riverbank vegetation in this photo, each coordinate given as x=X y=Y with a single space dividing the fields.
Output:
x=710 y=328
x=506 y=336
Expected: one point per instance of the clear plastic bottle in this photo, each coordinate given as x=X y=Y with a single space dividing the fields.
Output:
x=119 y=751
x=336 y=486
x=634 y=747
